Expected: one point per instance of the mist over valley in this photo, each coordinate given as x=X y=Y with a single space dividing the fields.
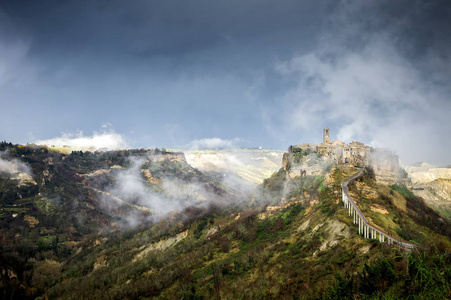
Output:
x=225 y=150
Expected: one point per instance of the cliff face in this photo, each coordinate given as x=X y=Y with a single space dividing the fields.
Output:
x=171 y=156
x=300 y=161
x=237 y=166
x=424 y=173
x=385 y=165
x=432 y=184
x=437 y=194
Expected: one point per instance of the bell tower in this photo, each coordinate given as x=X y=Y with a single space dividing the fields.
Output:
x=326 y=138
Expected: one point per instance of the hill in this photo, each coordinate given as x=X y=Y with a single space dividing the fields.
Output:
x=241 y=168
x=290 y=239
x=432 y=184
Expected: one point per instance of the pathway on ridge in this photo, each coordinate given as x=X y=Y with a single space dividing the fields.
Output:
x=365 y=228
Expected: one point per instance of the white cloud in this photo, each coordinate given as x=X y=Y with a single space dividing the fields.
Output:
x=130 y=186
x=98 y=140
x=13 y=166
x=214 y=143
x=372 y=93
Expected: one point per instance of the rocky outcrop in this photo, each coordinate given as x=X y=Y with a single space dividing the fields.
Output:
x=172 y=156
x=424 y=173
x=433 y=185
x=251 y=166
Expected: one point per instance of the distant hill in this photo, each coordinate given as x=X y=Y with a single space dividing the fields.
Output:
x=432 y=184
x=236 y=165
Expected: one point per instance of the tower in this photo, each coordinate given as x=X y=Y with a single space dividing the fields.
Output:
x=326 y=139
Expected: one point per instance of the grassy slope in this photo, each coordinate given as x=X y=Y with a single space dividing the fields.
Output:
x=292 y=250
x=263 y=248
x=45 y=223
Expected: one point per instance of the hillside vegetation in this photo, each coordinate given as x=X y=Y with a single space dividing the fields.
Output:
x=290 y=239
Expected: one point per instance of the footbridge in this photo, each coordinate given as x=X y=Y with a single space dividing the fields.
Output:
x=366 y=229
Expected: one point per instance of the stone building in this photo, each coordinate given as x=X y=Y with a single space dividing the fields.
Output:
x=308 y=158
x=355 y=153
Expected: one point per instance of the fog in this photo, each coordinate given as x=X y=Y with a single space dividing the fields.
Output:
x=365 y=84
x=106 y=139
x=13 y=166
x=145 y=202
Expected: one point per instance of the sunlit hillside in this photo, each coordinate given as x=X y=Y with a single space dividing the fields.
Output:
x=252 y=165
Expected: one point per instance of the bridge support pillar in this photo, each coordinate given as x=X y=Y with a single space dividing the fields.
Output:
x=359 y=225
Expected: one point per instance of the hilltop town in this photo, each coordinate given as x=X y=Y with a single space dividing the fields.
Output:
x=310 y=159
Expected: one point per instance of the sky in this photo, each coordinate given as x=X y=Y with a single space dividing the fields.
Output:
x=193 y=74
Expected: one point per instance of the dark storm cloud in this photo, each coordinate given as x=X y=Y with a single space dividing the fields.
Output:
x=272 y=73
x=146 y=66
x=380 y=75
x=159 y=28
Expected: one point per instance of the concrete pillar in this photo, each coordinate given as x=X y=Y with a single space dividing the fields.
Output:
x=359 y=226
x=363 y=228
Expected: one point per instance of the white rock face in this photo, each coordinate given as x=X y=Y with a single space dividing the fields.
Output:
x=251 y=165
x=433 y=184
x=425 y=173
